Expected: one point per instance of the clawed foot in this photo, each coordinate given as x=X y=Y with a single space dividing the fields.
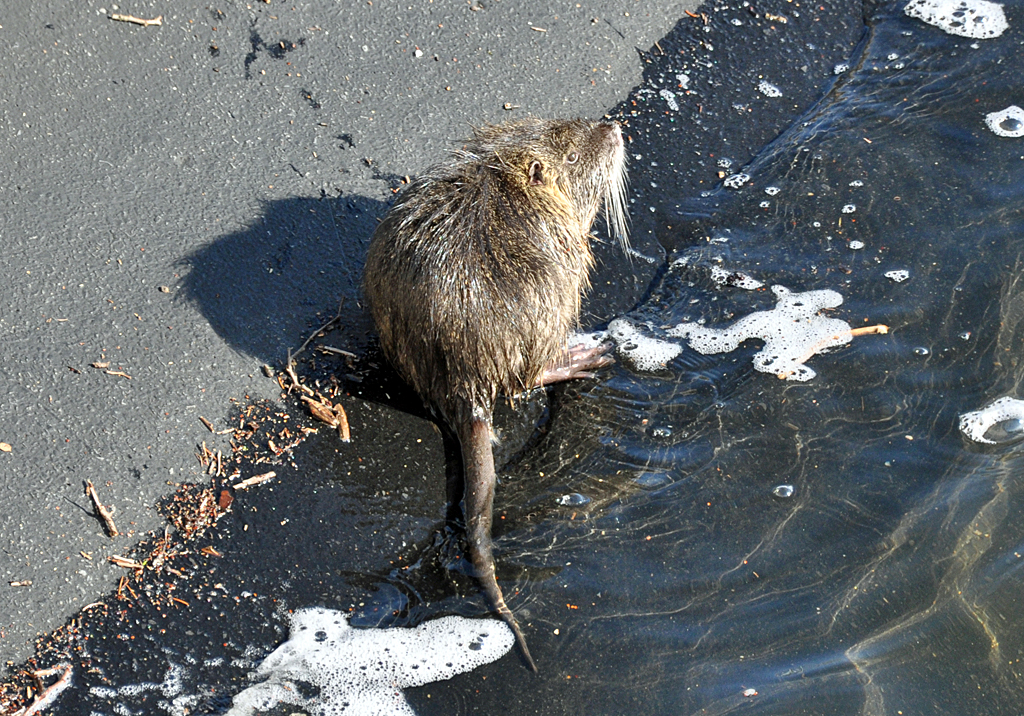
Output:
x=579 y=363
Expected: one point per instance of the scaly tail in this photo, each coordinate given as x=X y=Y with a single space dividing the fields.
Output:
x=478 y=460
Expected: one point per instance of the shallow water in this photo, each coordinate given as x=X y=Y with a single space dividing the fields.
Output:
x=706 y=538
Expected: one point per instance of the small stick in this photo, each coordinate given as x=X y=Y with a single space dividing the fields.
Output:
x=103 y=512
x=255 y=480
x=880 y=328
x=158 y=20
x=126 y=563
x=343 y=429
x=118 y=373
x=296 y=383
x=337 y=351
x=47 y=697
x=207 y=423
x=853 y=333
x=317 y=332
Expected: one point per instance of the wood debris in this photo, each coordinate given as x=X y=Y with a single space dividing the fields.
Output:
x=879 y=329
x=255 y=480
x=102 y=511
x=126 y=562
x=158 y=20
x=193 y=509
x=46 y=696
x=332 y=414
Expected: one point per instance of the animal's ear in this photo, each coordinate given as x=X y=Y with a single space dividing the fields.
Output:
x=536 y=173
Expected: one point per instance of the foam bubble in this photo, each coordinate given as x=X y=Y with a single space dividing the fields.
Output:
x=643 y=352
x=898 y=276
x=361 y=672
x=736 y=180
x=849 y=208
x=840 y=68
x=856 y=245
x=724 y=277
x=1005 y=415
x=670 y=98
x=978 y=19
x=792 y=331
x=768 y=89
x=174 y=702
x=684 y=80
x=1008 y=122
x=587 y=340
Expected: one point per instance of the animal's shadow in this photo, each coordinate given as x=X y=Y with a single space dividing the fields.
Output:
x=263 y=288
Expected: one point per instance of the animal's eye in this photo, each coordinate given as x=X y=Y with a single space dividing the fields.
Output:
x=572 y=158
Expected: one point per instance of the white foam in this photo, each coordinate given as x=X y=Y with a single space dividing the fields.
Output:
x=849 y=208
x=171 y=688
x=736 y=180
x=856 y=245
x=361 y=672
x=684 y=80
x=670 y=98
x=1007 y=122
x=768 y=89
x=587 y=340
x=898 y=276
x=975 y=424
x=792 y=332
x=978 y=19
x=643 y=352
x=738 y=279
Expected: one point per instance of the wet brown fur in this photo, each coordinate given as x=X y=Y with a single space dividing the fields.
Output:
x=474 y=279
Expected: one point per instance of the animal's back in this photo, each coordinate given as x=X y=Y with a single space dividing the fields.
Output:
x=472 y=289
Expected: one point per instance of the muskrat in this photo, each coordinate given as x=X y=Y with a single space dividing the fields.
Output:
x=474 y=280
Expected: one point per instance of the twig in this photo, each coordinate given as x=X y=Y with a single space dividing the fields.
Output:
x=296 y=383
x=101 y=510
x=49 y=695
x=126 y=563
x=852 y=333
x=255 y=480
x=333 y=415
x=317 y=332
x=343 y=429
x=207 y=423
x=158 y=20
x=118 y=373
x=880 y=328
x=337 y=351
